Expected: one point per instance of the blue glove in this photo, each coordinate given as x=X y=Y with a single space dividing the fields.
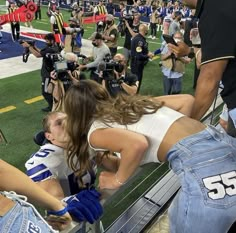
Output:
x=90 y=198
x=85 y=206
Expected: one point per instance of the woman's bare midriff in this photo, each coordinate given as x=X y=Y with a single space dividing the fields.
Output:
x=181 y=128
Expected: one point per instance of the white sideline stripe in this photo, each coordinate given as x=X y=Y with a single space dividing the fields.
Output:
x=7 y=68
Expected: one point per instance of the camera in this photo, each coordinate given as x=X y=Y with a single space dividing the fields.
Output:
x=71 y=30
x=54 y=57
x=129 y=18
x=100 y=27
x=60 y=66
x=108 y=66
x=26 y=52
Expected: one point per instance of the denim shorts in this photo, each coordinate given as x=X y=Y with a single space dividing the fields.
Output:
x=206 y=166
x=22 y=218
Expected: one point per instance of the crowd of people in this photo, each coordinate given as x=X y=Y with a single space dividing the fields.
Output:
x=103 y=121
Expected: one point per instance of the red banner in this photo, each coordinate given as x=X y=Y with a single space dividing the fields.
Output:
x=94 y=19
x=23 y=14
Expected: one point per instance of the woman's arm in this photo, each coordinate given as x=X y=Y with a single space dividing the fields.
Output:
x=12 y=179
x=53 y=187
x=131 y=147
x=182 y=102
x=108 y=162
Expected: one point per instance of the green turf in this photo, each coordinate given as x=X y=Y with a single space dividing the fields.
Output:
x=21 y=124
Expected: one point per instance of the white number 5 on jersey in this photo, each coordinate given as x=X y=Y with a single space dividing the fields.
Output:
x=221 y=185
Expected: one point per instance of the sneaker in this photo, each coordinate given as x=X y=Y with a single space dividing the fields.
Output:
x=47 y=109
x=150 y=36
x=153 y=37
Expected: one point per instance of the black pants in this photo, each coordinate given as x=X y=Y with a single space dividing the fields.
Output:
x=231 y=128
x=47 y=96
x=137 y=68
x=232 y=228
x=38 y=13
x=196 y=74
x=15 y=31
x=153 y=27
x=113 y=51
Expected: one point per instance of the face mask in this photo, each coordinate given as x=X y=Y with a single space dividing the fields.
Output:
x=119 y=67
x=108 y=22
x=71 y=66
x=72 y=25
x=94 y=44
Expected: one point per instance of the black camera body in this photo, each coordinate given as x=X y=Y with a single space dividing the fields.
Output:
x=54 y=57
x=100 y=27
x=108 y=66
x=129 y=18
x=26 y=52
x=60 y=66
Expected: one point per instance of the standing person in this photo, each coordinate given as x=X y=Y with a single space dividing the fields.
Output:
x=99 y=53
x=216 y=65
x=151 y=130
x=153 y=22
x=16 y=214
x=100 y=9
x=38 y=11
x=52 y=4
x=140 y=53
x=15 y=26
x=173 y=68
x=110 y=7
x=130 y=31
x=47 y=65
x=175 y=24
x=77 y=13
x=57 y=23
x=110 y=34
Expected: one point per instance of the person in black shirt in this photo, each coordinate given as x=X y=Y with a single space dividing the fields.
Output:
x=15 y=26
x=110 y=7
x=140 y=53
x=131 y=30
x=218 y=63
x=47 y=65
x=119 y=80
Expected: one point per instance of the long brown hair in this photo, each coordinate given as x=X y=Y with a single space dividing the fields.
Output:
x=87 y=101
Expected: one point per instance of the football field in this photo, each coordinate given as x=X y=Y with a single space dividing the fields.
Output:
x=21 y=102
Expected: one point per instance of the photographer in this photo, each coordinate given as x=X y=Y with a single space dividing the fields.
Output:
x=132 y=23
x=110 y=34
x=100 y=51
x=47 y=65
x=115 y=77
x=65 y=74
x=73 y=36
x=77 y=13
x=173 y=68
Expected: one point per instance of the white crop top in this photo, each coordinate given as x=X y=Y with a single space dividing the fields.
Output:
x=152 y=126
